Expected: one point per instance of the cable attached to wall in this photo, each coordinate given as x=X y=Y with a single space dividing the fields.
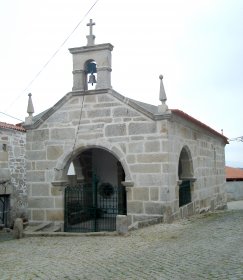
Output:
x=79 y=123
x=76 y=134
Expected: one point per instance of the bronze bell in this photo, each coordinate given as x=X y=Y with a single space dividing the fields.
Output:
x=92 y=79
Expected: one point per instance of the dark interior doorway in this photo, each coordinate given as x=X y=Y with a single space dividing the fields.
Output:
x=4 y=209
x=185 y=174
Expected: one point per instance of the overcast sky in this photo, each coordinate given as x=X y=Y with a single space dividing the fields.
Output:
x=196 y=45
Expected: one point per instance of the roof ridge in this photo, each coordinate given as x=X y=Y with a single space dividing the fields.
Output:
x=199 y=123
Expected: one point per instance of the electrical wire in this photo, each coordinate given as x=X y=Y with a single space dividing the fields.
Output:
x=11 y=116
x=79 y=122
x=53 y=55
x=76 y=134
x=238 y=139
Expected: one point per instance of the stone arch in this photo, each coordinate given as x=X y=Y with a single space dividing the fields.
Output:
x=62 y=166
x=96 y=162
x=185 y=165
x=93 y=203
x=186 y=176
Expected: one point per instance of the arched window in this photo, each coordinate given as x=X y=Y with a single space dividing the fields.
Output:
x=185 y=168
x=185 y=174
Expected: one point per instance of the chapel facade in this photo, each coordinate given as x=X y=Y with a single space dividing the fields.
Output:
x=129 y=158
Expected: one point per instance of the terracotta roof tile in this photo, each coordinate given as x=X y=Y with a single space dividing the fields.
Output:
x=12 y=126
x=233 y=173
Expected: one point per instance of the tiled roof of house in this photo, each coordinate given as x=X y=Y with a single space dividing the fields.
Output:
x=233 y=173
x=12 y=126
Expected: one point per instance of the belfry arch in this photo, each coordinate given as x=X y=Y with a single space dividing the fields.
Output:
x=186 y=176
x=90 y=78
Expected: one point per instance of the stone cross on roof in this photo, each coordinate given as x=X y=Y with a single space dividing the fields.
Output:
x=90 y=24
x=90 y=37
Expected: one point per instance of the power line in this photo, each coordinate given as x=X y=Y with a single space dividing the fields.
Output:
x=11 y=116
x=54 y=54
x=238 y=139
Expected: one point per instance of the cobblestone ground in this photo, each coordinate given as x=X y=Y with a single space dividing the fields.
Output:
x=206 y=247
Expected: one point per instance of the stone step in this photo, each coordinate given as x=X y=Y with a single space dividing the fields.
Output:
x=145 y=223
x=52 y=228
x=39 y=227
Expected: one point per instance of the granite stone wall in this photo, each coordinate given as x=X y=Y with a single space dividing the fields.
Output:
x=148 y=150
x=13 y=171
x=208 y=168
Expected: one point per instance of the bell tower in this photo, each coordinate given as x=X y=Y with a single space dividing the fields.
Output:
x=91 y=64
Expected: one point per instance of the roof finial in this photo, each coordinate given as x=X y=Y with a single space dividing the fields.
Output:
x=30 y=110
x=162 y=97
x=90 y=37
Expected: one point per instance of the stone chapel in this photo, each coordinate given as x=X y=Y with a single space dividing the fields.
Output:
x=96 y=155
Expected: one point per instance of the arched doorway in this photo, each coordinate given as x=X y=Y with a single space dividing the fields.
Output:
x=185 y=174
x=95 y=195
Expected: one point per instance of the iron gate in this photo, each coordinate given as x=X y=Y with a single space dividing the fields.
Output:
x=93 y=208
x=4 y=210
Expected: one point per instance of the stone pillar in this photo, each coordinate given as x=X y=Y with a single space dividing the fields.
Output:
x=79 y=81
x=18 y=228
x=103 y=78
x=121 y=224
x=128 y=185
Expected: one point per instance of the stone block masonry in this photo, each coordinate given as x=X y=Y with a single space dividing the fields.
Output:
x=149 y=151
x=103 y=119
x=13 y=172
